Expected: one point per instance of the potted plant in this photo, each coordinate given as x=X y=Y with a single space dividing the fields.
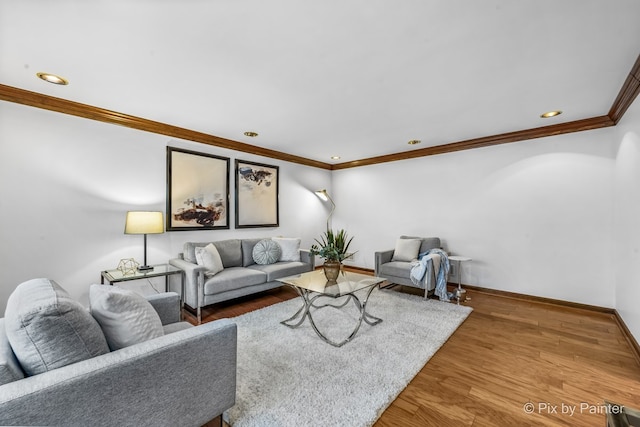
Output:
x=333 y=247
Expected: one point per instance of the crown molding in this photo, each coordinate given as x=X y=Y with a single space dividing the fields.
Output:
x=628 y=93
x=38 y=100
x=487 y=141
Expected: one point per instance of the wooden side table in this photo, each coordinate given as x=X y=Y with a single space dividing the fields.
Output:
x=461 y=294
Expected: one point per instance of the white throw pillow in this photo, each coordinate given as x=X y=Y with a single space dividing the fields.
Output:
x=290 y=247
x=406 y=250
x=209 y=258
x=126 y=318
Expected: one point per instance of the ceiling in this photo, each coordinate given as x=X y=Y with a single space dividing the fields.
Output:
x=315 y=79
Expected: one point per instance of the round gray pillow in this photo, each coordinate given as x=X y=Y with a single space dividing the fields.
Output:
x=266 y=252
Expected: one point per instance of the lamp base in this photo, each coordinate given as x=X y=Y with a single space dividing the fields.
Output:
x=145 y=268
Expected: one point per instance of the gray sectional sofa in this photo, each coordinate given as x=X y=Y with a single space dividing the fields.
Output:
x=241 y=275
x=185 y=377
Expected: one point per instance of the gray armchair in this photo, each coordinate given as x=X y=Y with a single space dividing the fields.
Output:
x=399 y=271
x=186 y=377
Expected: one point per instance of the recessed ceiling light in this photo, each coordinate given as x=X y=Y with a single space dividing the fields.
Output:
x=335 y=157
x=251 y=134
x=414 y=142
x=550 y=114
x=52 y=78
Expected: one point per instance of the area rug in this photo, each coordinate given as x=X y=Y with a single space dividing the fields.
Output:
x=290 y=377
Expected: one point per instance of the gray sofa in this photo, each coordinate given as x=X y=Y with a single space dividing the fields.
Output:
x=241 y=275
x=186 y=377
x=399 y=271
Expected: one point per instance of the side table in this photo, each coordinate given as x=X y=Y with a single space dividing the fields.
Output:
x=461 y=294
x=160 y=270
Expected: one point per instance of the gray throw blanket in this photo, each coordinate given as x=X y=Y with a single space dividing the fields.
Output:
x=440 y=264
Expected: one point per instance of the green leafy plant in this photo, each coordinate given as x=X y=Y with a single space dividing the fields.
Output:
x=332 y=246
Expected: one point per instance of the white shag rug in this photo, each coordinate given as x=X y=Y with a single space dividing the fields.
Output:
x=290 y=377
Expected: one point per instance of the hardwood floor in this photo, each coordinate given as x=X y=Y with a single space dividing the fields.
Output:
x=508 y=357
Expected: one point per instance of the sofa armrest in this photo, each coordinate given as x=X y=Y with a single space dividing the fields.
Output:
x=193 y=273
x=184 y=378
x=382 y=257
x=167 y=304
x=306 y=257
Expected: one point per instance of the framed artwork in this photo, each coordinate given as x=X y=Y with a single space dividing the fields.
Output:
x=256 y=195
x=197 y=191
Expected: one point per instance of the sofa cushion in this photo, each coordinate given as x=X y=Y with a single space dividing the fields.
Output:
x=126 y=317
x=247 y=251
x=209 y=258
x=281 y=269
x=47 y=329
x=10 y=369
x=406 y=250
x=290 y=247
x=266 y=252
x=176 y=327
x=395 y=268
x=230 y=251
x=428 y=243
x=233 y=278
x=189 y=251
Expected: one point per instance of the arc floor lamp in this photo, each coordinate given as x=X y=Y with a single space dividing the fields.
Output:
x=324 y=196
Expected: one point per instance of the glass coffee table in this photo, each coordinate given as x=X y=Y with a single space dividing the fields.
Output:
x=313 y=286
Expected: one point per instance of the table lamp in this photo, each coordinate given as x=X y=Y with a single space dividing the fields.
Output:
x=144 y=222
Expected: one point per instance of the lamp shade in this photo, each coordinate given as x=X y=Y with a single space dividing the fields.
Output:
x=144 y=222
x=323 y=195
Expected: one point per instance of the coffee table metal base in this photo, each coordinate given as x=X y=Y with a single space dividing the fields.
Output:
x=309 y=301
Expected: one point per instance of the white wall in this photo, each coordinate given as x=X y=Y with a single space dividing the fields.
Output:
x=535 y=216
x=554 y=217
x=626 y=252
x=66 y=184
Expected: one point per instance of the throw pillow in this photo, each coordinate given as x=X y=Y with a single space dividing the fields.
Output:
x=427 y=242
x=290 y=247
x=126 y=318
x=209 y=258
x=406 y=250
x=10 y=369
x=247 y=251
x=189 y=251
x=47 y=329
x=266 y=252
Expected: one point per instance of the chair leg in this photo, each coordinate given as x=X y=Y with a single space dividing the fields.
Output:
x=200 y=297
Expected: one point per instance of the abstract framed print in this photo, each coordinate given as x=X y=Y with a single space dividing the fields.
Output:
x=256 y=195
x=197 y=190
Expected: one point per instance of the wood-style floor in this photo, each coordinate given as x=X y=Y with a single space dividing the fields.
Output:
x=513 y=362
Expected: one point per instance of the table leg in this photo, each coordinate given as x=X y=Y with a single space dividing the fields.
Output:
x=308 y=303
x=459 y=280
x=367 y=316
x=304 y=295
x=182 y=290
x=331 y=305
